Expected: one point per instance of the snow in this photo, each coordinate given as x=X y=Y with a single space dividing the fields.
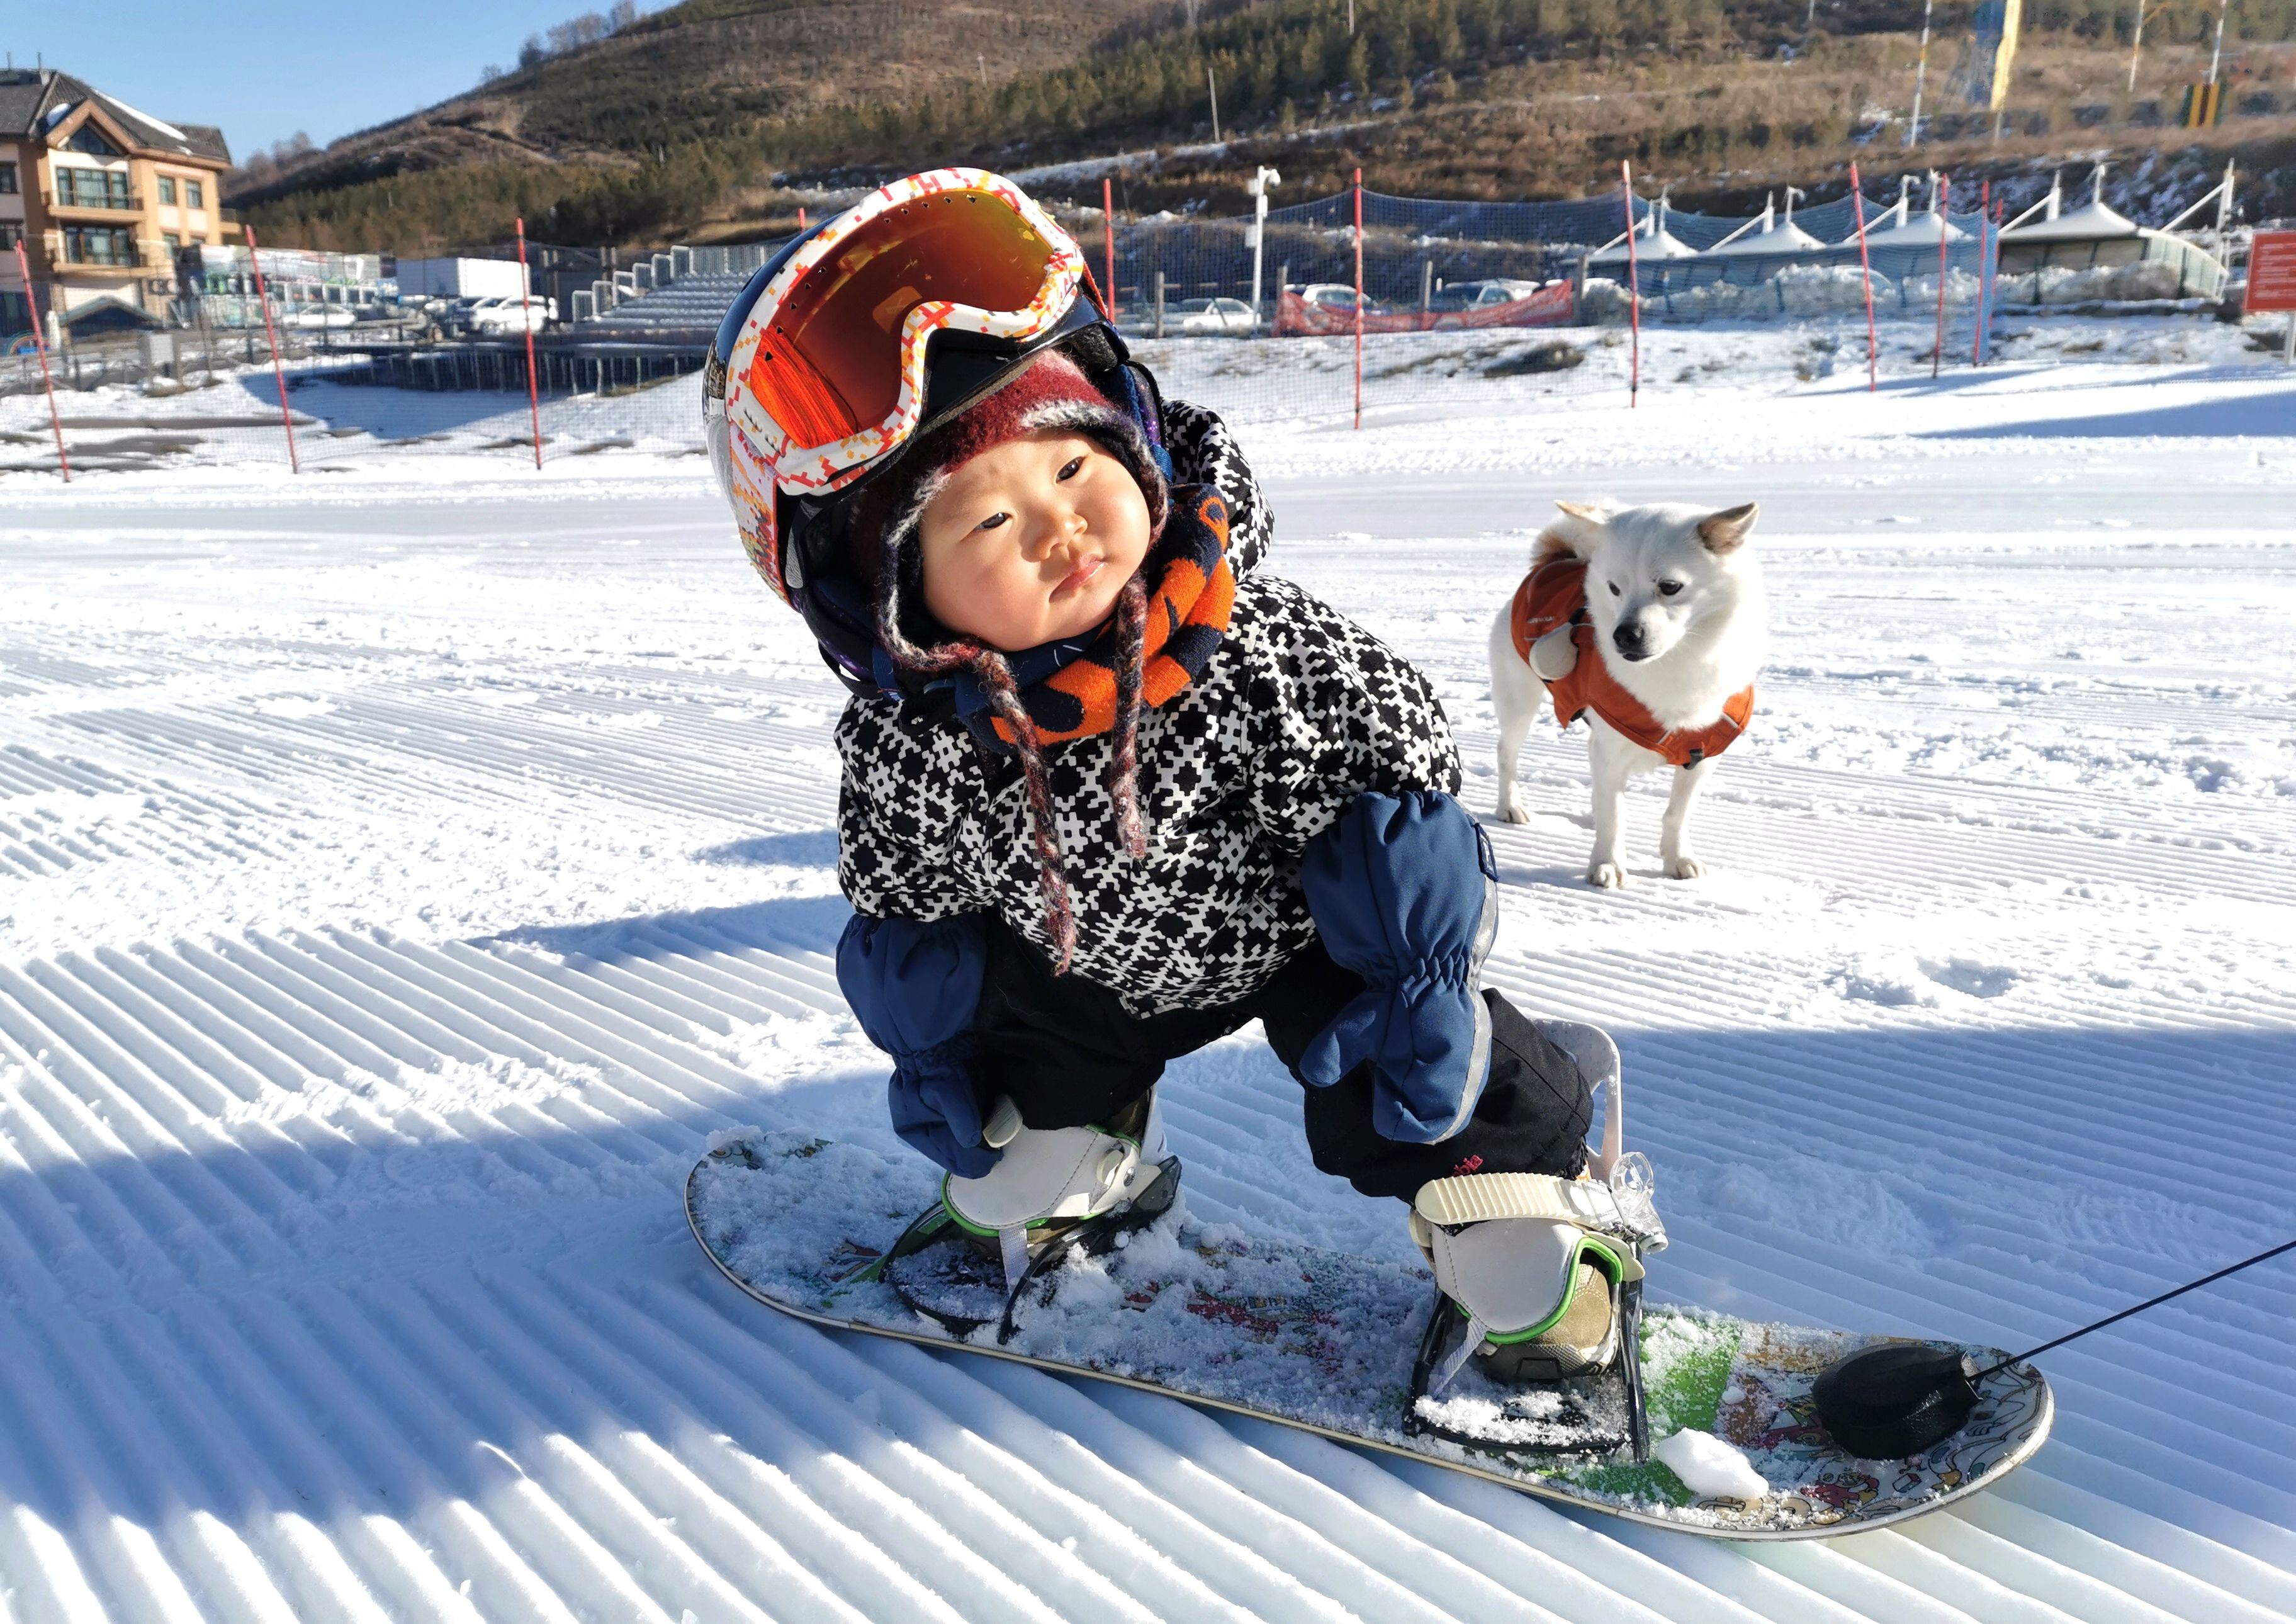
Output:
x=1708 y=1466
x=406 y=874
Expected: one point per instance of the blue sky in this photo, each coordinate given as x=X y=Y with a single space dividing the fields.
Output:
x=263 y=68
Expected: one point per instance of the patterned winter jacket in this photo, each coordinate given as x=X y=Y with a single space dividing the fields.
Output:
x=1299 y=712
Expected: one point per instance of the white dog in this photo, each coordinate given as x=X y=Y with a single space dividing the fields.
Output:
x=1650 y=622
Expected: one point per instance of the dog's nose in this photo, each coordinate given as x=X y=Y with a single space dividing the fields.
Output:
x=1628 y=639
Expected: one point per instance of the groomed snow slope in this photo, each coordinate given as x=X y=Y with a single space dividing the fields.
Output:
x=398 y=880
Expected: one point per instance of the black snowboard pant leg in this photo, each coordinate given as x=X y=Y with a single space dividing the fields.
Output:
x=1068 y=1053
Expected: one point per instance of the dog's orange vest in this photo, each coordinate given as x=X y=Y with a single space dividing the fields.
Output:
x=1554 y=595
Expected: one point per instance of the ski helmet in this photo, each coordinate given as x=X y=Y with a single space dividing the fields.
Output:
x=863 y=334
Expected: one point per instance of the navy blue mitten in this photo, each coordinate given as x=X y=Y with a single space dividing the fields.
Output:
x=1405 y=893
x=915 y=988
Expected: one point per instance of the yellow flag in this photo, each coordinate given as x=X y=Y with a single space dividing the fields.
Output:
x=2005 y=53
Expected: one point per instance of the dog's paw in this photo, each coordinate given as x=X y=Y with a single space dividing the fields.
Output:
x=1512 y=812
x=1685 y=867
x=1607 y=877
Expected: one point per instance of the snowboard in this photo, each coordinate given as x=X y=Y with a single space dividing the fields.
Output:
x=1324 y=1341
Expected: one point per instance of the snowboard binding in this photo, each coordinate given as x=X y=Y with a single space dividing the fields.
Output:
x=1533 y=1345
x=975 y=1258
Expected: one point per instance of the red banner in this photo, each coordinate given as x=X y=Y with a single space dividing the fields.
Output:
x=2271 y=271
x=1550 y=307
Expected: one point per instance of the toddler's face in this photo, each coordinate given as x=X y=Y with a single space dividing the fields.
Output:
x=1032 y=541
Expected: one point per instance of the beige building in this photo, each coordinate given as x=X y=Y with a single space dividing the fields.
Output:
x=101 y=196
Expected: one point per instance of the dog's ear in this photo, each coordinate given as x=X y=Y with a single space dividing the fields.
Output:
x=1592 y=512
x=1727 y=531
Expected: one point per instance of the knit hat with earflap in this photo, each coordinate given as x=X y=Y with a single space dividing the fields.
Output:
x=1051 y=393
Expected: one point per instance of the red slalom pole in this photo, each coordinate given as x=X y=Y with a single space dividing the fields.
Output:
x=800 y=217
x=1107 y=226
x=1945 y=226
x=1865 y=269
x=1633 y=287
x=40 y=343
x=526 y=319
x=271 y=334
x=1358 y=298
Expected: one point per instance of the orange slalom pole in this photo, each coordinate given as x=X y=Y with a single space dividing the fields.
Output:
x=1945 y=226
x=1633 y=287
x=526 y=319
x=1865 y=269
x=40 y=343
x=1359 y=302
x=271 y=334
x=1108 y=225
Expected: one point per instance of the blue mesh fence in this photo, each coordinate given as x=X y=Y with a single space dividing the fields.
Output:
x=1522 y=304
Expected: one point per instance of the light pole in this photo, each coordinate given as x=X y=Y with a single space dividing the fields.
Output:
x=1920 y=73
x=1258 y=186
x=2216 y=57
x=2136 y=47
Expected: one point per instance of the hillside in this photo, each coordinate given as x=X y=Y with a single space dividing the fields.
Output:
x=641 y=131
x=655 y=134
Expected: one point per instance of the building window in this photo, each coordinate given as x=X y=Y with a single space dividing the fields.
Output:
x=173 y=242
x=91 y=140
x=91 y=189
x=167 y=188
x=193 y=196
x=7 y=178
x=99 y=245
x=11 y=234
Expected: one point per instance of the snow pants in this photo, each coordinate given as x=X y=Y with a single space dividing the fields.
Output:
x=1068 y=1053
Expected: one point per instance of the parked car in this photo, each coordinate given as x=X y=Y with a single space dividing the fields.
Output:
x=1337 y=296
x=1480 y=295
x=501 y=313
x=317 y=316
x=1210 y=316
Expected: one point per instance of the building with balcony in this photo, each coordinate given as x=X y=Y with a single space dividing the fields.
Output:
x=102 y=198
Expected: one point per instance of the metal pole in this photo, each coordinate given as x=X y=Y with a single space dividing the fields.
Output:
x=1262 y=178
x=1865 y=270
x=2136 y=47
x=1984 y=225
x=1945 y=229
x=1359 y=300
x=271 y=336
x=1212 y=84
x=1634 y=290
x=1108 y=228
x=2215 y=57
x=1921 y=74
x=1426 y=287
x=40 y=343
x=1160 y=304
x=526 y=319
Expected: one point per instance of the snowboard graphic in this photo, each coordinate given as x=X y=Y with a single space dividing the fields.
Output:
x=1324 y=1341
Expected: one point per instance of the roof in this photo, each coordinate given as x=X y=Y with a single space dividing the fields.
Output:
x=2091 y=221
x=32 y=100
x=1784 y=238
x=1919 y=231
x=1650 y=244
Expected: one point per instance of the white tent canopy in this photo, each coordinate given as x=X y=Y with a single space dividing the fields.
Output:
x=1652 y=240
x=1774 y=237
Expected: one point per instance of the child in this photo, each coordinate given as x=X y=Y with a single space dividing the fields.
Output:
x=1111 y=791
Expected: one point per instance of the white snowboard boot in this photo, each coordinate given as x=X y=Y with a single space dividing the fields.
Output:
x=1535 y=1264
x=1539 y=1276
x=1050 y=1181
